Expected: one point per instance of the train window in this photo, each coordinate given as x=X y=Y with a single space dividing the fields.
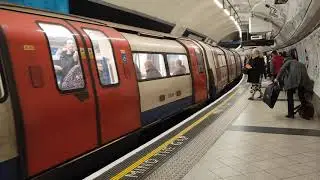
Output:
x=200 y=60
x=232 y=60
x=178 y=64
x=222 y=60
x=65 y=57
x=104 y=57
x=149 y=66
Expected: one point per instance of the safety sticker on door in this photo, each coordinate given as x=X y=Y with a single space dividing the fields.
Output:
x=123 y=56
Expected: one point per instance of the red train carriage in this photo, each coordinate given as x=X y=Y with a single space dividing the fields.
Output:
x=72 y=87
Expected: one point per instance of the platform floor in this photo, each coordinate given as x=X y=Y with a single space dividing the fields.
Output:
x=261 y=144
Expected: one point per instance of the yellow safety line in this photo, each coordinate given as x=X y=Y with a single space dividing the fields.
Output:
x=164 y=145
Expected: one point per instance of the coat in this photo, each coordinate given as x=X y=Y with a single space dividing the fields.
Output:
x=257 y=70
x=67 y=62
x=277 y=62
x=153 y=73
x=294 y=74
x=74 y=79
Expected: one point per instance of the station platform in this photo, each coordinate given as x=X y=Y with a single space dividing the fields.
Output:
x=232 y=138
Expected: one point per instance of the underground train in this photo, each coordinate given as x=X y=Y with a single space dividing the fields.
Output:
x=71 y=86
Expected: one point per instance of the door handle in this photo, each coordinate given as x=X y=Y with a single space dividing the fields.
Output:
x=82 y=95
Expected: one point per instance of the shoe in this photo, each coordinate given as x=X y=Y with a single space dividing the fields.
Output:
x=250 y=98
x=290 y=116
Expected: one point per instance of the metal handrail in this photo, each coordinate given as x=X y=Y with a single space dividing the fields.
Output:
x=236 y=15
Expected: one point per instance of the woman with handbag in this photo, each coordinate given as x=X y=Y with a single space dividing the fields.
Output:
x=255 y=70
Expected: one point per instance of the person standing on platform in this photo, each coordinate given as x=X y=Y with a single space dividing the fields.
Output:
x=255 y=69
x=295 y=77
x=277 y=62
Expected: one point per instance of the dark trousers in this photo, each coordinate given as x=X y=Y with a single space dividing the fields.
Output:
x=301 y=96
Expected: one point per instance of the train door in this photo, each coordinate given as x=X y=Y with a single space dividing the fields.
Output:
x=217 y=69
x=8 y=148
x=56 y=111
x=114 y=78
x=222 y=67
x=199 y=77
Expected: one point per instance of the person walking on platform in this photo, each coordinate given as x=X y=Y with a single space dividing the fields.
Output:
x=277 y=62
x=295 y=77
x=255 y=69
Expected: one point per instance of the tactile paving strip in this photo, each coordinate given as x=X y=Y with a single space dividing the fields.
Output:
x=156 y=155
x=182 y=162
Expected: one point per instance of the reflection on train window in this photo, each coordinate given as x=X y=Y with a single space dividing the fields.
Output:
x=222 y=60
x=178 y=64
x=1 y=86
x=104 y=57
x=233 y=61
x=200 y=60
x=149 y=66
x=65 y=57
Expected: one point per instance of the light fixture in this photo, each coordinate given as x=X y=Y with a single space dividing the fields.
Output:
x=235 y=21
x=219 y=4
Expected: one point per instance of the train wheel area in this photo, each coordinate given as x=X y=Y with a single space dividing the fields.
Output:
x=145 y=160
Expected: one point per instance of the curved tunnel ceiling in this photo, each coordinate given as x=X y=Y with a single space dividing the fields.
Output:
x=202 y=16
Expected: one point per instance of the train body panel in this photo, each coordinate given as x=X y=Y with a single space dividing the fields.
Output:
x=221 y=67
x=110 y=56
x=40 y=92
x=213 y=80
x=199 y=77
x=163 y=97
x=238 y=62
x=231 y=63
x=79 y=86
x=163 y=84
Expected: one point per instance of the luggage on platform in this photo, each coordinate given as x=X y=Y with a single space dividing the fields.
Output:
x=271 y=94
x=305 y=111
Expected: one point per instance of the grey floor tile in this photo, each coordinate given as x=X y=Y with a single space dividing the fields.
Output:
x=201 y=173
x=301 y=169
x=226 y=172
x=266 y=164
x=260 y=176
x=301 y=158
x=245 y=168
x=281 y=172
x=314 y=176
x=238 y=177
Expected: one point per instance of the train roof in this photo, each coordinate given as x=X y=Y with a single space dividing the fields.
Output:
x=119 y=27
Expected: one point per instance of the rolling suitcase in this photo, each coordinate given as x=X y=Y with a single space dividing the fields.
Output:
x=271 y=94
x=305 y=111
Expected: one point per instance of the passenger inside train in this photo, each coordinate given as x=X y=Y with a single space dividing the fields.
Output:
x=178 y=64
x=65 y=56
x=104 y=57
x=151 y=66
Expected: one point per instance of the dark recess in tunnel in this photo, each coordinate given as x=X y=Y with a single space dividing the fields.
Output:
x=107 y=13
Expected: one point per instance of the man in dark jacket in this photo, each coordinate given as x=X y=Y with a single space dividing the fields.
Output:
x=294 y=76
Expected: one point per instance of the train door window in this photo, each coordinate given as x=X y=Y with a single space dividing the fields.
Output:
x=178 y=64
x=200 y=60
x=149 y=66
x=222 y=60
x=232 y=60
x=65 y=57
x=105 y=61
